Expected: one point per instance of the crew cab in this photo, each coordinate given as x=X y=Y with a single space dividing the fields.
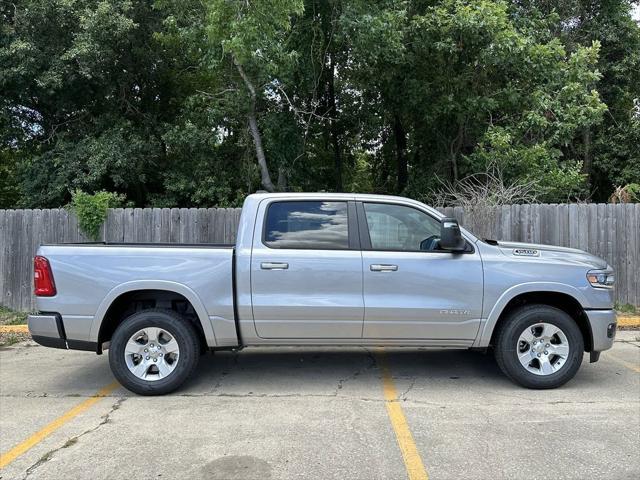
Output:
x=311 y=269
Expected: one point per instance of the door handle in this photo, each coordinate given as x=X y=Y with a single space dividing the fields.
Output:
x=274 y=266
x=383 y=267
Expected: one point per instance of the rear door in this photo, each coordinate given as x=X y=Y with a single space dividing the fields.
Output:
x=413 y=290
x=306 y=270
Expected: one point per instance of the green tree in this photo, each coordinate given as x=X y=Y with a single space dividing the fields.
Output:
x=192 y=103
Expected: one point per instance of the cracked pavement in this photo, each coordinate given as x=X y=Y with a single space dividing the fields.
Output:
x=320 y=413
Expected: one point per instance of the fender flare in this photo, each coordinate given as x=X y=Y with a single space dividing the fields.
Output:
x=530 y=287
x=165 y=285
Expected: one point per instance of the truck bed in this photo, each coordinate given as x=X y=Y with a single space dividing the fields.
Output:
x=89 y=277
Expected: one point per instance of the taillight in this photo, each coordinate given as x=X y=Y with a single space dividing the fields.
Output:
x=43 y=278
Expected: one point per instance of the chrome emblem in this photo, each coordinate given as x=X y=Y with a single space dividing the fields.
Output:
x=455 y=312
x=526 y=252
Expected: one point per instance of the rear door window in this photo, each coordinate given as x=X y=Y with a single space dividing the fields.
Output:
x=307 y=225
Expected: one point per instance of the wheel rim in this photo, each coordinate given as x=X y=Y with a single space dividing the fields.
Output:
x=152 y=354
x=543 y=349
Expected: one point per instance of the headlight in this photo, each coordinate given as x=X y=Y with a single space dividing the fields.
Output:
x=601 y=279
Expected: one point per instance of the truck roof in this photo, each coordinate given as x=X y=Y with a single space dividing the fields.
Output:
x=333 y=195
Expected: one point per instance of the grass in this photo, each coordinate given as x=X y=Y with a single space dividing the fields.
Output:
x=626 y=309
x=11 y=317
x=10 y=339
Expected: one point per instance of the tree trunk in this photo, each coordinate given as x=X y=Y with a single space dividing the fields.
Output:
x=401 y=152
x=333 y=113
x=456 y=145
x=282 y=179
x=255 y=131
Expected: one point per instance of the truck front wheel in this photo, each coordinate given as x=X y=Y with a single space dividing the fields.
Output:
x=154 y=351
x=539 y=346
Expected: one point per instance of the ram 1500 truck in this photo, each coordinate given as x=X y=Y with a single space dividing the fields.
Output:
x=326 y=269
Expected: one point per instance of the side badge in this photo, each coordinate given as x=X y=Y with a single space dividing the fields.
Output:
x=526 y=252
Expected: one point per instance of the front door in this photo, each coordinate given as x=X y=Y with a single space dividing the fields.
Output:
x=306 y=270
x=412 y=289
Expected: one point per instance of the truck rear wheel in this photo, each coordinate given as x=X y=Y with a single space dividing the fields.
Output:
x=539 y=346
x=154 y=351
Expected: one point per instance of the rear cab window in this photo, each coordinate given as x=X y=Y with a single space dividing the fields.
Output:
x=321 y=225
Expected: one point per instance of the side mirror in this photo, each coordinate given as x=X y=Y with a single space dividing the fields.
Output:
x=450 y=236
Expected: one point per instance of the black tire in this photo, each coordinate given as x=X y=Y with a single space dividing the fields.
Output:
x=506 y=346
x=180 y=328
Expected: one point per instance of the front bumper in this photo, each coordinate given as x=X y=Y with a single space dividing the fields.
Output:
x=47 y=329
x=603 y=329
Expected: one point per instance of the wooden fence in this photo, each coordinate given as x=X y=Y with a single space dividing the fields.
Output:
x=609 y=231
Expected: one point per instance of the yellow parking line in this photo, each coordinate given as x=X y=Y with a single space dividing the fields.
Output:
x=410 y=454
x=628 y=321
x=624 y=363
x=15 y=452
x=14 y=329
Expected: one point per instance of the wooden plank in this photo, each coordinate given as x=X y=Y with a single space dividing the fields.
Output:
x=10 y=268
x=114 y=225
x=573 y=225
x=505 y=224
x=582 y=227
x=515 y=223
x=75 y=234
x=633 y=268
x=156 y=225
x=637 y=253
x=230 y=226
x=174 y=236
x=219 y=225
x=165 y=235
x=36 y=240
x=138 y=225
x=4 y=252
x=612 y=230
x=237 y=223
x=555 y=225
x=600 y=242
x=620 y=252
x=24 y=263
x=147 y=225
x=545 y=222
x=128 y=226
x=62 y=225
x=211 y=232
x=564 y=224
x=186 y=228
x=592 y=228
x=17 y=253
x=496 y=219
x=202 y=222
x=525 y=223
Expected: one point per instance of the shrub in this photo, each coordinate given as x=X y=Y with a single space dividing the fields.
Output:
x=91 y=210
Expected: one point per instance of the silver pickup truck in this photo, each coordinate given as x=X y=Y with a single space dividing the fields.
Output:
x=326 y=269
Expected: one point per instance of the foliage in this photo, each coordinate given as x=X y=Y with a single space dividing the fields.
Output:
x=9 y=187
x=199 y=103
x=11 y=317
x=626 y=308
x=628 y=194
x=91 y=210
x=480 y=194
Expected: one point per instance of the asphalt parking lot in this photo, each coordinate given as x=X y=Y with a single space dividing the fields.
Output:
x=319 y=413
